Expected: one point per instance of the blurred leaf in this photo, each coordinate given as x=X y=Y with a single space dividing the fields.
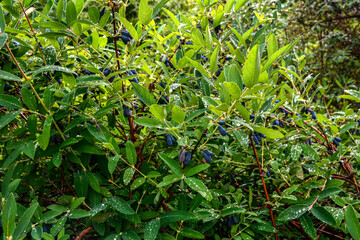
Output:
x=323 y=215
x=10 y=101
x=145 y=12
x=308 y=225
x=251 y=69
x=352 y=222
x=8 y=215
x=131 y=153
x=20 y=230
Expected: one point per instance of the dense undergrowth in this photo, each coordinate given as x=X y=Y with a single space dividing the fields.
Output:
x=195 y=125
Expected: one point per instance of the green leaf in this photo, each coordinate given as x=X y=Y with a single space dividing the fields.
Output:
x=94 y=14
x=198 y=66
x=10 y=101
x=213 y=60
x=308 y=225
x=130 y=28
x=178 y=115
x=58 y=226
x=232 y=74
x=191 y=233
x=151 y=230
x=240 y=3
x=70 y=12
x=172 y=164
x=131 y=153
x=81 y=183
x=293 y=212
x=3 y=39
x=96 y=133
x=233 y=89
x=172 y=17
x=271 y=133
x=56 y=159
x=272 y=45
x=158 y=7
x=52 y=68
x=329 y=192
x=130 y=235
x=175 y=216
x=149 y=122
x=197 y=169
x=60 y=9
x=120 y=205
x=8 y=76
x=93 y=181
x=145 y=12
x=112 y=163
x=29 y=149
x=199 y=186
x=231 y=211
x=352 y=222
x=251 y=69
x=137 y=183
x=228 y=6
x=7 y=118
x=29 y=99
x=43 y=139
x=8 y=215
x=2 y=21
x=219 y=16
x=143 y=94
x=11 y=158
x=128 y=175
x=78 y=213
x=323 y=215
x=243 y=111
x=24 y=222
x=53 y=25
x=158 y=111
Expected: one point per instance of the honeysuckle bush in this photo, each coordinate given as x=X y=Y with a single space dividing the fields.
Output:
x=200 y=126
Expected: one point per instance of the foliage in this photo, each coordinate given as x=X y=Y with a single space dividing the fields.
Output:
x=329 y=31
x=171 y=128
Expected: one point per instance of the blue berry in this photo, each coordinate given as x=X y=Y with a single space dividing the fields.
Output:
x=187 y=158
x=7 y=87
x=338 y=139
x=170 y=140
x=211 y=154
x=222 y=131
x=207 y=157
x=234 y=220
x=126 y=40
x=313 y=115
x=105 y=71
x=126 y=33
x=268 y=173
x=127 y=111
x=182 y=155
x=102 y=12
x=222 y=122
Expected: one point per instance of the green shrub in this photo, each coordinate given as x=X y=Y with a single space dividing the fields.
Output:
x=168 y=129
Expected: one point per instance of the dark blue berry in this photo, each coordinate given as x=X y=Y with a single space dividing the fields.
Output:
x=170 y=140
x=127 y=111
x=102 y=12
x=222 y=122
x=252 y=116
x=336 y=142
x=105 y=71
x=211 y=154
x=189 y=43
x=125 y=39
x=268 y=173
x=338 y=139
x=87 y=72
x=126 y=33
x=187 y=158
x=7 y=87
x=207 y=157
x=182 y=155
x=234 y=220
x=313 y=115
x=111 y=79
x=162 y=84
x=132 y=72
x=135 y=80
x=222 y=131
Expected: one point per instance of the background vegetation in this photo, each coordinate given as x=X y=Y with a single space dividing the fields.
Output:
x=179 y=119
